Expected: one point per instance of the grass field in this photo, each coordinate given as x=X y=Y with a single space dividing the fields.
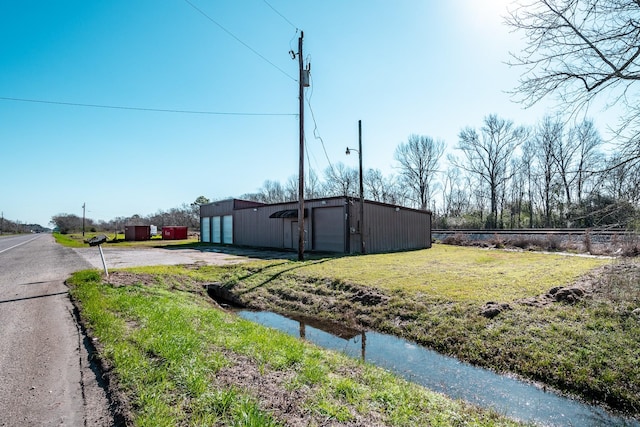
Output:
x=179 y=360
x=435 y=297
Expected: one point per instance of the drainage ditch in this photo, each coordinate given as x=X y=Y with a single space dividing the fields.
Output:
x=507 y=395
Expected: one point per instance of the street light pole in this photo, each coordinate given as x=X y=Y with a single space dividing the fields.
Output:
x=359 y=151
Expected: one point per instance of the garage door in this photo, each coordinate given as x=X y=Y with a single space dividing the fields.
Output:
x=205 y=230
x=328 y=229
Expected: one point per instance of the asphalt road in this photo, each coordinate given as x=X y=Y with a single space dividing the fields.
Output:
x=46 y=377
x=45 y=373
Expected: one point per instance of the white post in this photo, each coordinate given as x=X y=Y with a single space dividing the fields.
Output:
x=103 y=262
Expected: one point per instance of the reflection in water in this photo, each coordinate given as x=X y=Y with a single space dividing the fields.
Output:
x=447 y=375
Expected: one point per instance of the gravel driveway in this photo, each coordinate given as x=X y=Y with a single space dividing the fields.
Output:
x=136 y=257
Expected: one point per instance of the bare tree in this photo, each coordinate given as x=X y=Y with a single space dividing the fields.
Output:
x=341 y=180
x=487 y=155
x=381 y=188
x=527 y=160
x=546 y=138
x=586 y=138
x=374 y=185
x=580 y=49
x=455 y=194
x=418 y=159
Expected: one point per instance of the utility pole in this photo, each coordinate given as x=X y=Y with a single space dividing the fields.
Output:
x=359 y=151
x=303 y=82
x=83 y=209
x=2 y=223
x=363 y=249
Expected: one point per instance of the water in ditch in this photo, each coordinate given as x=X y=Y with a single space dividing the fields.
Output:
x=509 y=396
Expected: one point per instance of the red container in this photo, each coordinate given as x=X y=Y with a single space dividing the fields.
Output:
x=176 y=232
x=137 y=232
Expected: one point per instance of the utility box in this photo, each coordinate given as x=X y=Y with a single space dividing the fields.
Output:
x=137 y=232
x=175 y=232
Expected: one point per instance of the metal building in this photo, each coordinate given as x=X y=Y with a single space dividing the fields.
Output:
x=331 y=225
x=137 y=232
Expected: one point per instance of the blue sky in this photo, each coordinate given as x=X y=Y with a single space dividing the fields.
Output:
x=402 y=67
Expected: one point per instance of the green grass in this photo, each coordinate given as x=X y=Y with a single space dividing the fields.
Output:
x=455 y=273
x=435 y=297
x=181 y=361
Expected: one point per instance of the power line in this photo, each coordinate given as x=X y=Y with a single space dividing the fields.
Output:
x=281 y=15
x=203 y=13
x=157 y=110
x=316 y=132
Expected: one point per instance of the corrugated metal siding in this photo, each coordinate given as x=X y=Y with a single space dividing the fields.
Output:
x=385 y=228
x=255 y=228
x=329 y=229
x=388 y=229
x=223 y=207
x=137 y=232
x=244 y=204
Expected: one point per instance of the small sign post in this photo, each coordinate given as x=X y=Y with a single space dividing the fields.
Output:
x=98 y=241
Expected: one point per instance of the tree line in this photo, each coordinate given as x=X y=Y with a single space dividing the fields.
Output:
x=183 y=215
x=500 y=175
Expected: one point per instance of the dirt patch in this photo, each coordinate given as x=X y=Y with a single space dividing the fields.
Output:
x=492 y=309
x=274 y=392
x=618 y=281
x=124 y=278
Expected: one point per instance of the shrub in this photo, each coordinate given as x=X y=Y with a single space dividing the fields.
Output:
x=552 y=242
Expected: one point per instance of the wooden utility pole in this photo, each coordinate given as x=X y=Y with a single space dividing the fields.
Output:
x=301 y=171
x=83 y=209
x=363 y=249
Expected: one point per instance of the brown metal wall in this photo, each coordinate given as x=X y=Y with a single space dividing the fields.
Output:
x=137 y=232
x=253 y=227
x=385 y=228
x=223 y=207
x=389 y=228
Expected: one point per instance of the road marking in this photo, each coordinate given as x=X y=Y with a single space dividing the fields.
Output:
x=19 y=244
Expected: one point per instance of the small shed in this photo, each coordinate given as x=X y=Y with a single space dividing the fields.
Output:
x=137 y=232
x=174 y=232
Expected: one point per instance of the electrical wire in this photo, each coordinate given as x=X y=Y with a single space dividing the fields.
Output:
x=281 y=15
x=203 y=13
x=157 y=110
x=316 y=132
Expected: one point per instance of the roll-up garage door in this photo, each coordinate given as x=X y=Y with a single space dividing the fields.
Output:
x=227 y=229
x=329 y=229
x=215 y=230
x=205 y=230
